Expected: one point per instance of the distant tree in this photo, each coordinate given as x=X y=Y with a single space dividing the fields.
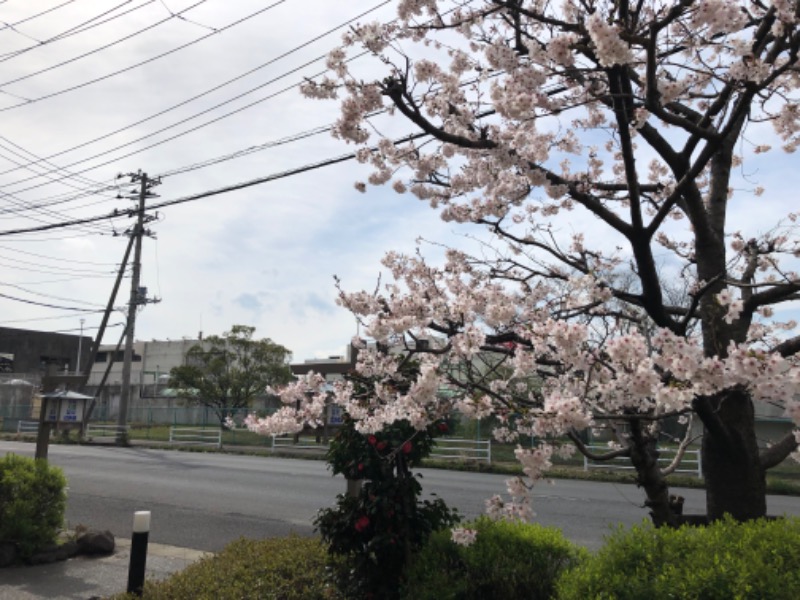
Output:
x=226 y=372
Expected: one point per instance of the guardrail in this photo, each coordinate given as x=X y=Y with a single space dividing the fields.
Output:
x=28 y=427
x=196 y=436
x=690 y=463
x=96 y=432
x=462 y=449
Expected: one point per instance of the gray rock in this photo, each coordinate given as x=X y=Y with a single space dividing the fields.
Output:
x=44 y=557
x=95 y=542
x=67 y=550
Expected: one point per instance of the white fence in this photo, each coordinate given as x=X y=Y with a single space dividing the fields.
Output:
x=444 y=449
x=104 y=433
x=690 y=463
x=28 y=427
x=195 y=436
x=462 y=449
x=287 y=441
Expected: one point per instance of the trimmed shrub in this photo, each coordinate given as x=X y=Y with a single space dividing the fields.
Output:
x=507 y=560
x=289 y=568
x=32 y=502
x=724 y=560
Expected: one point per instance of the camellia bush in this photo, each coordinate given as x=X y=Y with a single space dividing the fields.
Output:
x=377 y=530
x=614 y=153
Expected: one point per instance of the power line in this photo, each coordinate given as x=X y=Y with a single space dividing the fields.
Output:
x=84 y=310
x=32 y=17
x=81 y=262
x=96 y=50
x=38 y=159
x=35 y=293
x=85 y=328
x=53 y=318
x=77 y=29
x=205 y=93
x=177 y=135
x=247 y=151
x=144 y=62
x=182 y=18
x=53 y=238
x=209 y=193
x=62 y=271
x=58 y=199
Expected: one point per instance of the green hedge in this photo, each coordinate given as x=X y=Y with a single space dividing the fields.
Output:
x=725 y=560
x=508 y=560
x=290 y=568
x=32 y=502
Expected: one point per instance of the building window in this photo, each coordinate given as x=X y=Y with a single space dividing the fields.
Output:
x=118 y=356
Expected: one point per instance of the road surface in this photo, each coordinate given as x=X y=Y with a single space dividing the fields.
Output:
x=205 y=500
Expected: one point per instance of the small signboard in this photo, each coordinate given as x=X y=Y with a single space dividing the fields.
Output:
x=70 y=411
x=64 y=407
x=335 y=415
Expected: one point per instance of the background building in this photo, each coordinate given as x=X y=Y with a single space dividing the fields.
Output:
x=26 y=354
x=26 y=357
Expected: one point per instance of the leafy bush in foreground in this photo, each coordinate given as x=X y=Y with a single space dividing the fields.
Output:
x=290 y=568
x=508 y=560
x=32 y=502
x=725 y=560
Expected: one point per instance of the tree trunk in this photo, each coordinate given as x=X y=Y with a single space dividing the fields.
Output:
x=644 y=457
x=735 y=480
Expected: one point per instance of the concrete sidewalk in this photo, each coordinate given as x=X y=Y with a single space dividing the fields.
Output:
x=85 y=577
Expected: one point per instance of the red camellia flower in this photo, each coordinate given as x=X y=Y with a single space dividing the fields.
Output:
x=372 y=440
x=407 y=448
x=381 y=445
x=362 y=523
x=443 y=427
x=360 y=466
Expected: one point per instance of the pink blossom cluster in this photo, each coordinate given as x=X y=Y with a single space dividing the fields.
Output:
x=611 y=49
x=463 y=536
x=719 y=16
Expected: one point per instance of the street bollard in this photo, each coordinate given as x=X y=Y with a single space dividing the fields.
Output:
x=141 y=531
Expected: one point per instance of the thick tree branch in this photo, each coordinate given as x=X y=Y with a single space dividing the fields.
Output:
x=583 y=449
x=775 y=454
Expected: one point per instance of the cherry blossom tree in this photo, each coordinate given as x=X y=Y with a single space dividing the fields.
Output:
x=599 y=143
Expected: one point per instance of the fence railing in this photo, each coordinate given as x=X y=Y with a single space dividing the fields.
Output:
x=462 y=449
x=690 y=462
x=287 y=441
x=195 y=436
x=27 y=426
x=104 y=433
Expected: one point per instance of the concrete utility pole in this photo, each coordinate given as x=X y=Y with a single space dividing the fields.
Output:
x=80 y=347
x=137 y=233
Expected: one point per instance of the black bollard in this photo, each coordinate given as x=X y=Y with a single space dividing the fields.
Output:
x=141 y=531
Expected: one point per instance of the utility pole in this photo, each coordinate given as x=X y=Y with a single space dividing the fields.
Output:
x=136 y=299
x=80 y=343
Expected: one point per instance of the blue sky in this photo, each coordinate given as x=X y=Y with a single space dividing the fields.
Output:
x=262 y=256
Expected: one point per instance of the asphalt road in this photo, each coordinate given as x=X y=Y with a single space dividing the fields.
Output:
x=205 y=500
